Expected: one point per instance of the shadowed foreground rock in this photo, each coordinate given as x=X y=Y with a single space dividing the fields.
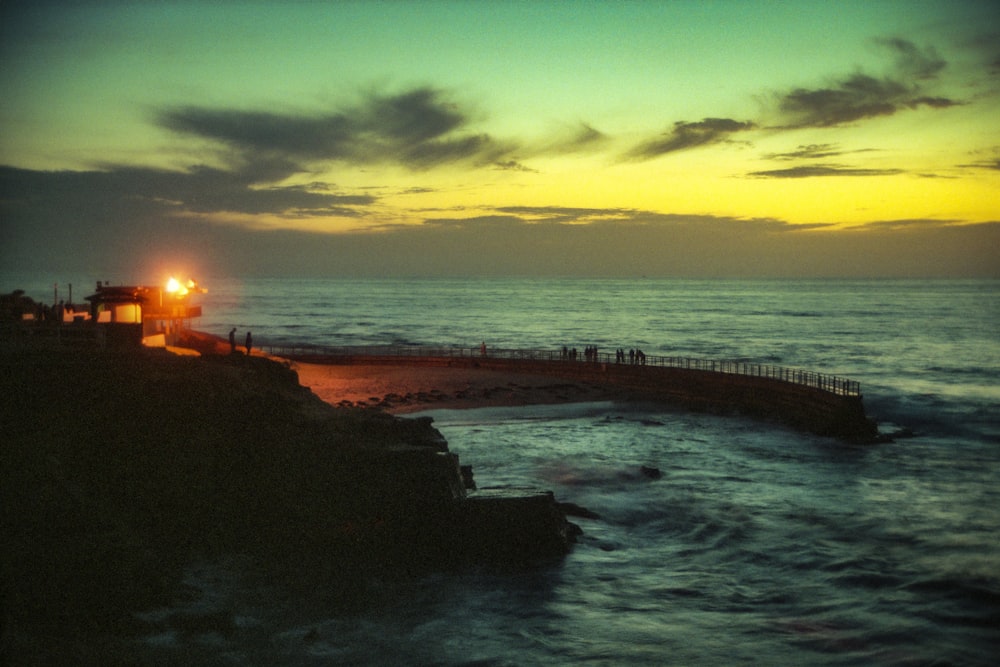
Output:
x=116 y=469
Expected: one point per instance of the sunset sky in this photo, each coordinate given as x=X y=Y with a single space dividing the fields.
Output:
x=678 y=138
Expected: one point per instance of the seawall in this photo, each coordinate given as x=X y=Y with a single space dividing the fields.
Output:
x=800 y=406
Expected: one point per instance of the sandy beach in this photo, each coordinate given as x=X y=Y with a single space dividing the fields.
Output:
x=401 y=389
x=405 y=389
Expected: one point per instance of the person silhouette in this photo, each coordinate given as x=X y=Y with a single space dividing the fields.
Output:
x=232 y=341
x=249 y=343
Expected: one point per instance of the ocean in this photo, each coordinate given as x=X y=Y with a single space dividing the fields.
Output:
x=756 y=545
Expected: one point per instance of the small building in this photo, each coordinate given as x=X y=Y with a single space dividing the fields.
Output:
x=142 y=315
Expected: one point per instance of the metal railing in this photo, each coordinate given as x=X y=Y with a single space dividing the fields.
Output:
x=822 y=381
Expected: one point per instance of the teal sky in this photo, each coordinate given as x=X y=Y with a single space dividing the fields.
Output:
x=864 y=129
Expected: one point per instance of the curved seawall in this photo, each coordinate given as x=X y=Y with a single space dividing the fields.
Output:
x=807 y=401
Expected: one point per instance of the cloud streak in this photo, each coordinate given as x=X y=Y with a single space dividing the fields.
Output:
x=853 y=98
x=686 y=135
x=861 y=96
x=814 y=170
x=418 y=129
x=200 y=190
x=989 y=164
x=814 y=152
x=582 y=137
x=912 y=61
x=858 y=97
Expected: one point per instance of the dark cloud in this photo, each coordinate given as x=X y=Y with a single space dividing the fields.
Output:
x=861 y=96
x=129 y=221
x=853 y=98
x=685 y=135
x=587 y=135
x=480 y=149
x=513 y=165
x=582 y=137
x=553 y=217
x=417 y=128
x=264 y=133
x=574 y=139
x=912 y=61
x=858 y=97
x=933 y=102
x=992 y=164
x=930 y=175
x=635 y=243
x=808 y=152
x=812 y=171
x=411 y=117
x=59 y=225
x=200 y=190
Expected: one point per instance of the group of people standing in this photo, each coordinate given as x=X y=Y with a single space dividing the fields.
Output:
x=568 y=353
x=232 y=341
x=635 y=356
x=590 y=353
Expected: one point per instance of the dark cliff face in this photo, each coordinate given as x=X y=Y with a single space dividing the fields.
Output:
x=117 y=468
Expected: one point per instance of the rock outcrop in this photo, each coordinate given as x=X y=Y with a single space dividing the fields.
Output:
x=117 y=468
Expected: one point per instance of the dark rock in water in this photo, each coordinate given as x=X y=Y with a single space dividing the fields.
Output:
x=514 y=528
x=650 y=472
x=468 y=478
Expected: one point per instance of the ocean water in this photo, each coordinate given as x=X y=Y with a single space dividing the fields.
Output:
x=757 y=545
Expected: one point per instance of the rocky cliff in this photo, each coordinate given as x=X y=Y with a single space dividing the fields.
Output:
x=117 y=468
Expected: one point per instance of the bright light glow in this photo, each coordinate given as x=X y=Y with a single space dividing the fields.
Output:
x=175 y=288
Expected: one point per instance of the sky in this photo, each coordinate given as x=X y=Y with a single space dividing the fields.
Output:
x=598 y=139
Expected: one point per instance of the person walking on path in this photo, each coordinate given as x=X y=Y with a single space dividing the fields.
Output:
x=232 y=341
x=249 y=343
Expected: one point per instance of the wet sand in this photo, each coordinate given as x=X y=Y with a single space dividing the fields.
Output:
x=404 y=389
